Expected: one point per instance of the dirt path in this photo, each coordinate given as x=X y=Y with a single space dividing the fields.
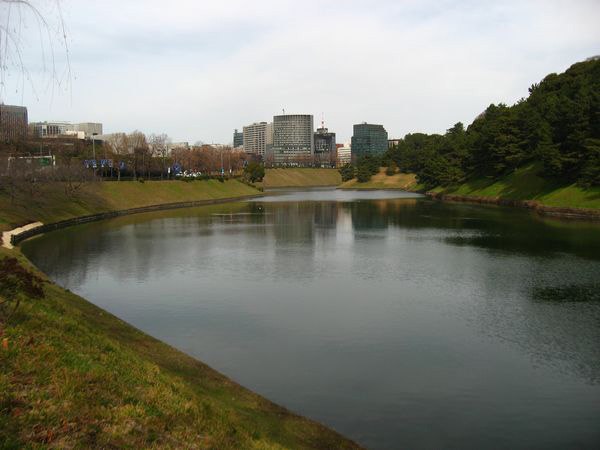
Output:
x=7 y=235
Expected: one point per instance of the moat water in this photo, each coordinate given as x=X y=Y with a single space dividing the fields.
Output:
x=398 y=321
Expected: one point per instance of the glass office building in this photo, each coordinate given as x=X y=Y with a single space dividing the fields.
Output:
x=369 y=139
x=238 y=138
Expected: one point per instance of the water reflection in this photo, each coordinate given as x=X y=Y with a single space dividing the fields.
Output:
x=399 y=321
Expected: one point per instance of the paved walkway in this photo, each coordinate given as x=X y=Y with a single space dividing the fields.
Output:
x=7 y=235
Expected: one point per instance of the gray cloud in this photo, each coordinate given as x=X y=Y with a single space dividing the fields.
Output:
x=196 y=70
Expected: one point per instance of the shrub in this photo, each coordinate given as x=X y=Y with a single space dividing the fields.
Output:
x=254 y=171
x=391 y=169
x=363 y=174
x=347 y=172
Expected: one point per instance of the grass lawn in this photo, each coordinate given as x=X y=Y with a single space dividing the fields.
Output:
x=300 y=178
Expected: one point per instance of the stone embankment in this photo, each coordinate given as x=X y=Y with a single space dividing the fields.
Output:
x=574 y=213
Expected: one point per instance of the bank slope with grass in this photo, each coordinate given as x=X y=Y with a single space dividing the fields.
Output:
x=73 y=375
x=300 y=177
x=51 y=203
x=400 y=181
x=526 y=184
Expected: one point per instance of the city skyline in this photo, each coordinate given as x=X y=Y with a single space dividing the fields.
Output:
x=197 y=71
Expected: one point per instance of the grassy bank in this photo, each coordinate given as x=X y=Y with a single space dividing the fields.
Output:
x=380 y=180
x=277 y=178
x=526 y=184
x=52 y=204
x=73 y=375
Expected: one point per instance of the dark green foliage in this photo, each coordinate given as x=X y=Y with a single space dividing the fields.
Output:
x=362 y=174
x=366 y=167
x=254 y=171
x=558 y=124
x=391 y=169
x=347 y=171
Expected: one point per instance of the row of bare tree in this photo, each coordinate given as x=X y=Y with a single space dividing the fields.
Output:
x=27 y=179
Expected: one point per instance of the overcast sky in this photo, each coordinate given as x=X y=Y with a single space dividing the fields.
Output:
x=198 y=69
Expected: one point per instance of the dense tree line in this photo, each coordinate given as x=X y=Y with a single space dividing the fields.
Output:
x=558 y=125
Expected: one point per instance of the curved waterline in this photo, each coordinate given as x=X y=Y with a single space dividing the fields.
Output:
x=307 y=324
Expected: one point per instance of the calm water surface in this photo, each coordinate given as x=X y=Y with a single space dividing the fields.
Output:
x=400 y=322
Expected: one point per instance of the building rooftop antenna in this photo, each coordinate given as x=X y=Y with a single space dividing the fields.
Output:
x=322 y=120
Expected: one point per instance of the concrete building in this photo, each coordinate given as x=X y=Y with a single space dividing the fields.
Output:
x=369 y=139
x=83 y=130
x=344 y=154
x=269 y=137
x=238 y=139
x=325 y=147
x=177 y=146
x=255 y=138
x=293 y=139
x=13 y=123
x=393 y=142
x=89 y=129
x=324 y=141
x=51 y=129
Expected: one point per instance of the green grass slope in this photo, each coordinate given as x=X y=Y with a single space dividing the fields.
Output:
x=52 y=204
x=74 y=376
x=526 y=183
x=402 y=181
x=300 y=177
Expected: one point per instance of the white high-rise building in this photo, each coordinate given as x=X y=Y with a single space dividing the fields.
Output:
x=255 y=138
x=344 y=154
x=293 y=138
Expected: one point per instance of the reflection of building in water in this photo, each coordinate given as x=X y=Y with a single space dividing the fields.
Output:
x=293 y=222
x=366 y=215
x=325 y=214
x=386 y=213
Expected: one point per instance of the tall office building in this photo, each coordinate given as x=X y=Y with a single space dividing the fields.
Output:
x=369 y=139
x=293 y=138
x=238 y=138
x=325 y=148
x=13 y=123
x=255 y=138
